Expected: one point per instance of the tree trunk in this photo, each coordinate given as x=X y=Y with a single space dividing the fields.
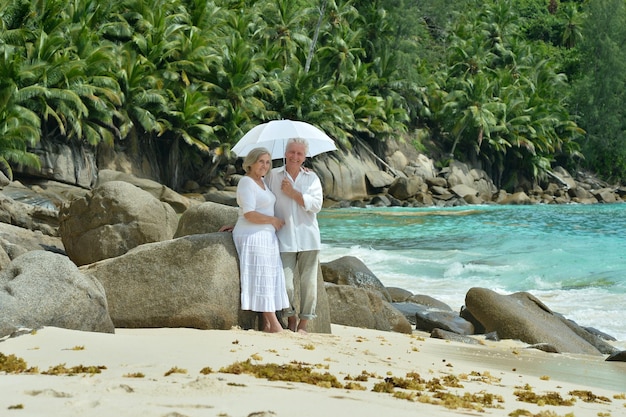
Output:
x=309 y=57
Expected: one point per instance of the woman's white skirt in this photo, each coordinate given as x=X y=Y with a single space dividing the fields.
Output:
x=261 y=272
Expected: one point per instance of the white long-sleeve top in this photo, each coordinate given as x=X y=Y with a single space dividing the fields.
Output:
x=301 y=231
x=251 y=197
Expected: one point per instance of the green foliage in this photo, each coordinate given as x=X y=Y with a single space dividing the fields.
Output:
x=501 y=100
x=600 y=95
x=19 y=126
x=487 y=82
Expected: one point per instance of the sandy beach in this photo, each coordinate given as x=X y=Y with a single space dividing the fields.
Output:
x=189 y=372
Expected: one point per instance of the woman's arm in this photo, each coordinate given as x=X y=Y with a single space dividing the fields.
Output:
x=258 y=218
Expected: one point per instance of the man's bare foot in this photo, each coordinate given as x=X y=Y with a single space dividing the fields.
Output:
x=292 y=323
x=302 y=326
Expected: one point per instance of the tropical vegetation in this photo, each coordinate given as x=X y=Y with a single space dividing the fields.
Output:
x=513 y=86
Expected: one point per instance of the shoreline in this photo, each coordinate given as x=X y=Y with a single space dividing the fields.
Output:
x=569 y=257
x=175 y=380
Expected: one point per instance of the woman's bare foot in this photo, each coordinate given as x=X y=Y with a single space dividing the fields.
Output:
x=271 y=323
x=272 y=330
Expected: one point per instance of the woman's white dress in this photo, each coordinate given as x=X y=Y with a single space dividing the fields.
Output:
x=261 y=270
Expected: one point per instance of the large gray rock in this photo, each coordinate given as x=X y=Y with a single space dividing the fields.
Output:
x=619 y=356
x=420 y=166
x=41 y=288
x=115 y=217
x=430 y=318
x=226 y=197
x=4 y=180
x=360 y=307
x=191 y=281
x=404 y=188
x=428 y=301
x=595 y=337
x=349 y=270
x=469 y=183
x=523 y=317
x=16 y=241
x=66 y=162
x=344 y=174
x=28 y=216
x=605 y=195
x=483 y=183
x=519 y=199
x=43 y=193
x=402 y=159
x=453 y=337
x=459 y=173
x=463 y=190
x=398 y=294
x=165 y=194
x=205 y=218
x=563 y=177
x=378 y=179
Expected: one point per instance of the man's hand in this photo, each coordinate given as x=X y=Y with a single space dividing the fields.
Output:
x=287 y=187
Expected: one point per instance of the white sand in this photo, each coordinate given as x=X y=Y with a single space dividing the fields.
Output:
x=498 y=368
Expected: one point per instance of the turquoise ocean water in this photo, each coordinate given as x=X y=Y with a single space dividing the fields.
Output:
x=572 y=257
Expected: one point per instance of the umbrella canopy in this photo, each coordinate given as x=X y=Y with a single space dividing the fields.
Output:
x=274 y=135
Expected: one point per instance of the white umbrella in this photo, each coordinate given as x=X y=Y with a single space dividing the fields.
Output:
x=274 y=135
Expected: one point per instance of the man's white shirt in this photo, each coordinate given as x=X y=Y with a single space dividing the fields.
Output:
x=301 y=231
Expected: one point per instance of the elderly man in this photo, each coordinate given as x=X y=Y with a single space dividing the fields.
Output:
x=299 y=198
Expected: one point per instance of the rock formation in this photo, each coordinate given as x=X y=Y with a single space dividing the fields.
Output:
x=115 y=217
x=41 y=288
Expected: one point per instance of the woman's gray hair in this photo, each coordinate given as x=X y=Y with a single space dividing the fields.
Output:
x=299 y=141
x=254 y=156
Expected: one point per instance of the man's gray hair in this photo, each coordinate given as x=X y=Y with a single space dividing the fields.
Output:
x=299 y=141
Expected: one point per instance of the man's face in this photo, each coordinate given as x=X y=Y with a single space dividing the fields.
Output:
x=295 y=154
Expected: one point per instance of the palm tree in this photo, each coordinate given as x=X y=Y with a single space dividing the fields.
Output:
x=284 y=33
x=340 y=54
x=240 y=88
x=143 y=101
x=303 y=96
x=188 y=122
x=95 y=83
x=572 y=33
x=19 y=126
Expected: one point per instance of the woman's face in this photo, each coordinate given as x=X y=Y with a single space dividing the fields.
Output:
x=261 y=166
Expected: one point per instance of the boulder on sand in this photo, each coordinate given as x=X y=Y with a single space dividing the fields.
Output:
x=521 y=316
x=41 y=288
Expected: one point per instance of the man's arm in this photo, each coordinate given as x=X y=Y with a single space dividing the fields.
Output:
x=314 y=196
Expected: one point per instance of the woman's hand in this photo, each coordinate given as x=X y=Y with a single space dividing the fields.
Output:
x=277 y=223
x=258 y=218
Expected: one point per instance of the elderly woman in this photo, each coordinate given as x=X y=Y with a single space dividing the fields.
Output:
x=261 y=271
